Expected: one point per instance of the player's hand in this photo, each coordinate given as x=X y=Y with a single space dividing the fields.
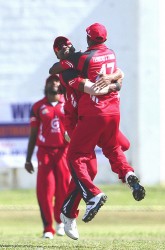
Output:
x=67 y=138
x=103 y=80
x=29 y=167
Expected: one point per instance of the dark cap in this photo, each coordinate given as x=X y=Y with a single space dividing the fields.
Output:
x=97 y=32
x=59 y=42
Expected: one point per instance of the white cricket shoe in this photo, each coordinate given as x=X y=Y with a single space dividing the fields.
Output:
x=93 y=206
x=48 y=235
x=70 y=227
x=60 y=229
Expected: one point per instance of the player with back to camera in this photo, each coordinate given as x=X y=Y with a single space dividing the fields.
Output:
x=47 y=131
x=98 y=124
x=63 y=46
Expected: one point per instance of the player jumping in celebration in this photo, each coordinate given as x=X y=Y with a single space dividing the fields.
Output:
x=63 y=46
x=98 y=124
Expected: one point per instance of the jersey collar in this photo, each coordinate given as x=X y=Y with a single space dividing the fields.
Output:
x=97 y=46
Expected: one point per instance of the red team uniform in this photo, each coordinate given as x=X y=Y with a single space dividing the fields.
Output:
x=72 y=98
x=53 y=175
x=98 y=123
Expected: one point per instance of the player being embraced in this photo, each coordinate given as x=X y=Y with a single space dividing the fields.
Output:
x=98 y=124
x=104 y=84
x=62 y=48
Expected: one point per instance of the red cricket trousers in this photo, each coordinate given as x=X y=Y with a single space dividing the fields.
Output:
x=92 y=131
x=74 y=196
x=53 y=179
x=123 y=141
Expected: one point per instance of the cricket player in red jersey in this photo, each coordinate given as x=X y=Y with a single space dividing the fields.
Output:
x=72 y=97
x=47 y=132
x=63 y=47
x=78 y=154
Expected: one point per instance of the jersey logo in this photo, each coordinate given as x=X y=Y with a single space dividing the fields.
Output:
x=55 y=124
x=44 y=110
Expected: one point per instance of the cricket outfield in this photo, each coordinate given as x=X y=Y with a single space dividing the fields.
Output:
x=122 y=223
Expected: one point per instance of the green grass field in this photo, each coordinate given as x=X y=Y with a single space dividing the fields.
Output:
x=122 y=223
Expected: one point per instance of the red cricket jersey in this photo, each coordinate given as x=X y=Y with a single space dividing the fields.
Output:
x=97 y=59
x=50 y=121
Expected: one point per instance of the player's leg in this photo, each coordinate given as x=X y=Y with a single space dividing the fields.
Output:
x=62 y=179
x=45 y=189
x=71 y=203
x=118 y=161
x=123 y=141
x=70 y=207
x=80 y=152
x=84 y=140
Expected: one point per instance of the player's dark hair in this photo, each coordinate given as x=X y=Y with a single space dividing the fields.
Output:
x=50 y=79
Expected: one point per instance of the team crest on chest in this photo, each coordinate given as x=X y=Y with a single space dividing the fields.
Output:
x=44 y=110
x=55 y=125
